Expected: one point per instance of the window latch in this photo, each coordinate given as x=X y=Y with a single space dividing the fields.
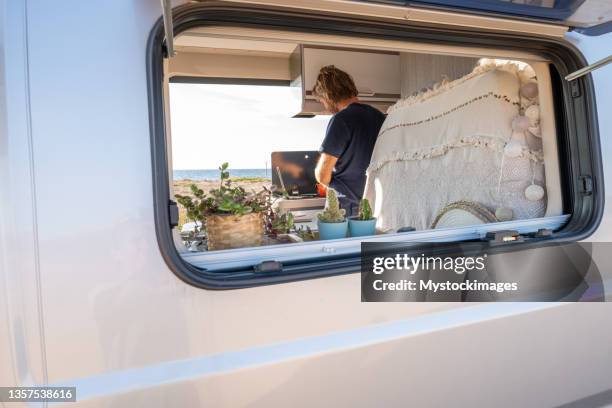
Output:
x=543 y=233
x=268 y=266
x=503 y=237
x=586 y=185
x=575 y=89
x=173 y=214
x=508 y=236
x=589 y=68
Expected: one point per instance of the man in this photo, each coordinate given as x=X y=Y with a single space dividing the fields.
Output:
x=349 y=141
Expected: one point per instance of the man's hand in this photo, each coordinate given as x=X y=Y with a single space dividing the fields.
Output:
x=325 y=167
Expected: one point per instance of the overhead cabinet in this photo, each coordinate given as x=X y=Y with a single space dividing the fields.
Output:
x=376 y=75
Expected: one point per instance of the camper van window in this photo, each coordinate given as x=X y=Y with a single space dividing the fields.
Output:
x=254 y=143
x=466 y=153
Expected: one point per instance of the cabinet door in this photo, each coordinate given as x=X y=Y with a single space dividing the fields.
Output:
x=375 y=73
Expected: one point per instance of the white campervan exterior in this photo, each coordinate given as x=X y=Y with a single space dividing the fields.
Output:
x=89 y=296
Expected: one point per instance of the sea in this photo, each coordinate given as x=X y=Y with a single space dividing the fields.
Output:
x=213 y=174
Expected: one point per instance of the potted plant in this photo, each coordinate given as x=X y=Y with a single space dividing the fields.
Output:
x=331 y=222
x=364 y=223
x=231 y=217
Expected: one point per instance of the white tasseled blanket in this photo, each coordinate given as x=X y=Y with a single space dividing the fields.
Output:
x=448 y=145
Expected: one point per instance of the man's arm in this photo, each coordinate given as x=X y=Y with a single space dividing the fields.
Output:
x=324 y=169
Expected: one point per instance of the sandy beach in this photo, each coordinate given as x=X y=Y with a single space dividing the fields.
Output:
x=182 y=187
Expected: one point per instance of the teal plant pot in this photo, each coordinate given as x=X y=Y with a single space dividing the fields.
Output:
x=332 y=230
x=358 y=228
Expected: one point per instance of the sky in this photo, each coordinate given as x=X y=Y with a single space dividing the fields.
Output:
x=239 y=124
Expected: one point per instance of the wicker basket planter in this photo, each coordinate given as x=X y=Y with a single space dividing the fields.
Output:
x=234 y=231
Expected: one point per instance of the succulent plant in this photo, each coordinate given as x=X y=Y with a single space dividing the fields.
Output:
x=332 y=212
x=282 y=224
x=306 y=233
x=365 y=211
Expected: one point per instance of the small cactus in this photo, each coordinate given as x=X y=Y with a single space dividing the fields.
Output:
x=365 y=211
x=332 y=212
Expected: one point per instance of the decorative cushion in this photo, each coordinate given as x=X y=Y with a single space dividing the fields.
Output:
x=465 y=140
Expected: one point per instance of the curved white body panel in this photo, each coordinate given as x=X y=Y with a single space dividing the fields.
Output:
x=87 y=300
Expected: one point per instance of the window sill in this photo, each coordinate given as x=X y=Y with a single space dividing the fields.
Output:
x=244 y=258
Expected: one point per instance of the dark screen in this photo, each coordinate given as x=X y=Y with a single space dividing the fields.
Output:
x=296 y=170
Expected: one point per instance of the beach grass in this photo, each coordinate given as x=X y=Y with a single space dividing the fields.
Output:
x=250 y=180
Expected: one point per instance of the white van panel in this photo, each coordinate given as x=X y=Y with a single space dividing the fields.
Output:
x=91 y=302
x=22 y=345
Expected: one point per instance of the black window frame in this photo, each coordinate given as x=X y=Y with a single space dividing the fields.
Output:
x=579 y=148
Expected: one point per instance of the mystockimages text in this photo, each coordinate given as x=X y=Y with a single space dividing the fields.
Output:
x=404 y=263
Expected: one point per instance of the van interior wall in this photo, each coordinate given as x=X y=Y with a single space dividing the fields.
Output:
x=420 y=71
x=417 y=70
x=222 y=65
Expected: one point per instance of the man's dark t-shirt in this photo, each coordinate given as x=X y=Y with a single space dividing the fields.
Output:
x=351 y=134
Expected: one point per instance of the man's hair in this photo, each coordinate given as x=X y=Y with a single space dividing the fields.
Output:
x=334 y=85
